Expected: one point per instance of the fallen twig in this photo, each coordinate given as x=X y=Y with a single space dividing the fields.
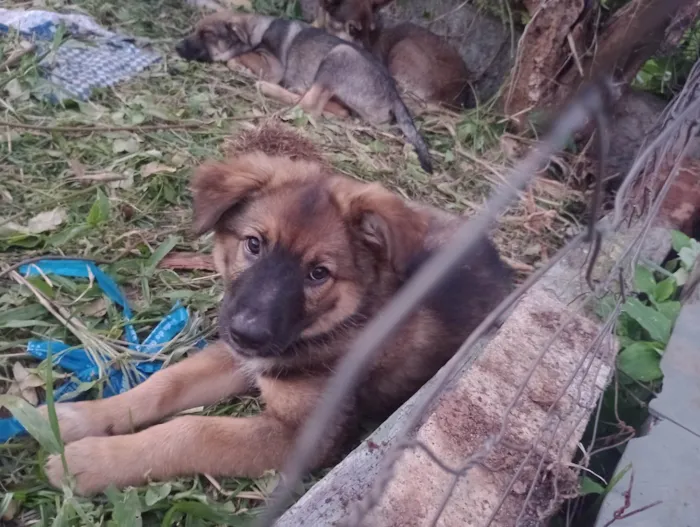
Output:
x=188 y=261
x=108 y=128
x=16 y=56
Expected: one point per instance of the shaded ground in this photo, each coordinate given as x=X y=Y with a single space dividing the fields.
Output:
x=122 y=196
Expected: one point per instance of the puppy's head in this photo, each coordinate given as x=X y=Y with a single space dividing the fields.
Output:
x=354 y=20
x=301 y=252
x=350 y=20
x=216 y=38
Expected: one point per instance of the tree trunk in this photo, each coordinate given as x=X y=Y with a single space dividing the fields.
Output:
x=560 y=48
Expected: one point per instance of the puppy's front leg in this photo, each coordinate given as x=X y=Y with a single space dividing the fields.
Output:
x=205 y=378
x=188 y=445
x=285 y=96
x=262 y=64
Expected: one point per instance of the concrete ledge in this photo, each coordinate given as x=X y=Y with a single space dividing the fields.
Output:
x=465 y=416
x=665 y=465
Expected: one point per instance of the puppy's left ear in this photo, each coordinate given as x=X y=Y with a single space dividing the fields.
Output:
x=237 y=31
x=387 y=225
x=218 y=187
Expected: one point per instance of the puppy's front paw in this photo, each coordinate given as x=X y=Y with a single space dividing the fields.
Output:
x=79 y=420
x=94 y=462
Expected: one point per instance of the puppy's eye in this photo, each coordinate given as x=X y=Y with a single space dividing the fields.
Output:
x=319 y=274
x=253 y=245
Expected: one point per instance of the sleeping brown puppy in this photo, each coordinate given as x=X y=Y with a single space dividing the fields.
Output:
x=307 y=258
x=422 y=63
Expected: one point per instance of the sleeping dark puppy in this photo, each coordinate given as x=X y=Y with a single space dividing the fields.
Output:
x=422 y=63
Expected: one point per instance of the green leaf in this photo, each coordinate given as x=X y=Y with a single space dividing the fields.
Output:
x=128 y=146
x=204 y=511
x=644 y=280
x=640 y=361
x=156 y=493
x=655 y=323
x=21 y=314
x=687 y=256
x=681 y=276
x=127 y=507
x=665 y=289
x=28 y=241
x=605 y=307
x=629 y=328
x=30 y=418
x=99 y=212
x=64 y=515
x=66 y=235
x=588 y=486
x=679 y=240
x=617 y=477
x=670 y=309
x=43 y=286
x=16 y=324
x=160 y=253
x=82 y=387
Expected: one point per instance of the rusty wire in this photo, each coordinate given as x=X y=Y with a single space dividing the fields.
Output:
x=681 y=118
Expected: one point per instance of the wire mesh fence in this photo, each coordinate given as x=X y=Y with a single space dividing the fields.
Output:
x=638 y=200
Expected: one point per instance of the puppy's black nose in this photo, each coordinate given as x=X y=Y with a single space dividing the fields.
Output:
x=181 y=48
x=250 y=331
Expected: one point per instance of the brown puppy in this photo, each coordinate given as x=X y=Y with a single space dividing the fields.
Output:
x=307 y=257
x=358 y=16
x=423 y=64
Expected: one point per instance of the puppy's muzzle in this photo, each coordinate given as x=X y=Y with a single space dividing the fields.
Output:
x=192 y=51
x=249 y=330
x=263 y=310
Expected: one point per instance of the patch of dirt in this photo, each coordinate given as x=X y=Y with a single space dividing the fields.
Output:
x=464 y=423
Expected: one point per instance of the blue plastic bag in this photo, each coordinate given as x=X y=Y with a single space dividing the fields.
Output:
x=77 y=360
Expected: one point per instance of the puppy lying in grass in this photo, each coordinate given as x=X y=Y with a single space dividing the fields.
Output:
x=422 y=63
x=307 y=257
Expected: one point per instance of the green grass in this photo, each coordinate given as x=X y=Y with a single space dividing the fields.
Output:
x=122 y=197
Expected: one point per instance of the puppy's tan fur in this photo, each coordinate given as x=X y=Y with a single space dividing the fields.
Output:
x=366 y=236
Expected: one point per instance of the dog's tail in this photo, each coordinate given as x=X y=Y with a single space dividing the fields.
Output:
x=407 y=126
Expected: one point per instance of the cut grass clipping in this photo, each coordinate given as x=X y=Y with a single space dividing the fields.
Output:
x=120 y=197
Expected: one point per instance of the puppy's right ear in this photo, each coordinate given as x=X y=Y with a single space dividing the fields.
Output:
x=236 y=30
x=383 y=221
x=379 y=4
x=217 y=187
